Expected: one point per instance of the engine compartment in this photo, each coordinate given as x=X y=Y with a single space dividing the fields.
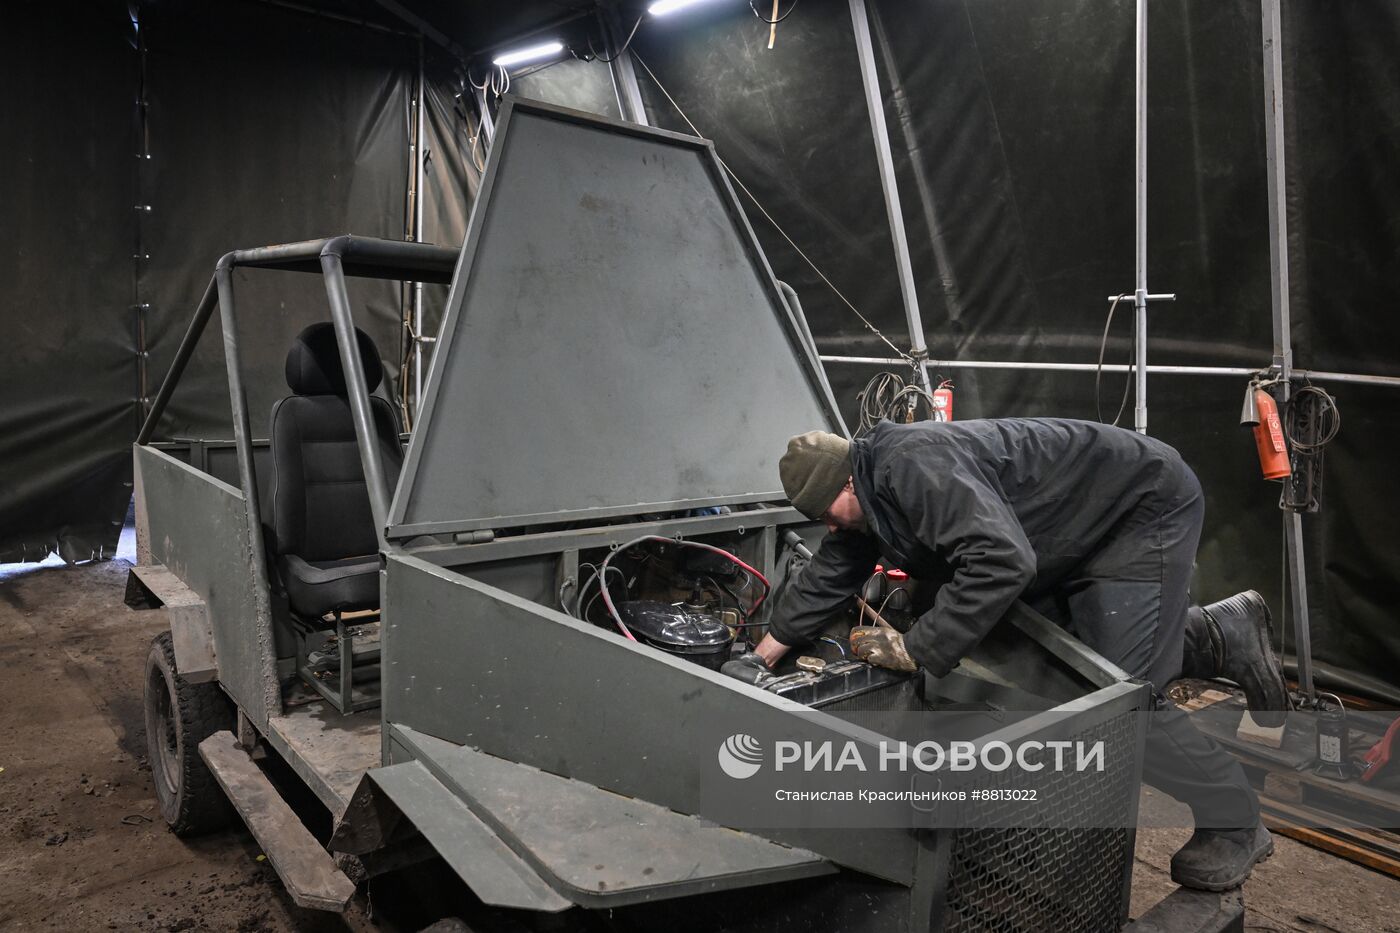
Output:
x=702 y=602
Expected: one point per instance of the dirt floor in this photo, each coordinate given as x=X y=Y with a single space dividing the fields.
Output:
x=83 y=848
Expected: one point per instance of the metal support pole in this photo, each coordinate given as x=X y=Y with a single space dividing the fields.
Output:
x=420 y=157
x=1312 y=375
x=1140 y=246
x=206 y=307
x=874 y=103
x=624 y=75
x=1051 y=367
x=354 y=369
x=248 y=479
x=238 y=400
x=1276 y=163
x=1274 y=160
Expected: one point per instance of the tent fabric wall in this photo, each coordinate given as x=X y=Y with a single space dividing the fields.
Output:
x=1011 y=123
x=792 y=125
x=69 y=380
x=266 y=126
x=1011 y=127
x=451 y=177
x=262 y=125
x=572 y=83
x=1343 y=105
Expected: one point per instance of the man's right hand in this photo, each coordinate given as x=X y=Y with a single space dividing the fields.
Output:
x=748 y=667
x=882 y=646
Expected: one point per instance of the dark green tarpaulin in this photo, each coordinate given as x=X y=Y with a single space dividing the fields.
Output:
x=68 y=383
x=1011 y=123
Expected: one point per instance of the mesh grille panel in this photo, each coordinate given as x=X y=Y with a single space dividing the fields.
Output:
x=1033 y=880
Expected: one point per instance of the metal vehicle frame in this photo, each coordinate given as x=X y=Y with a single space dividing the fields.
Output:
x=475 y=734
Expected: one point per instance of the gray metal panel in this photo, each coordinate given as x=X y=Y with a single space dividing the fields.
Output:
x=494 y=873
x=567 y=697
x=197 y=527
x=191 y=635
x=614 y=342
x=330 y=751
x=602 y=849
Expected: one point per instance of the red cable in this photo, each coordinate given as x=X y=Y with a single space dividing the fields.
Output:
x=607 y=598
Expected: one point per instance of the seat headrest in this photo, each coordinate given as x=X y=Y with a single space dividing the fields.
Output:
x=313 y=363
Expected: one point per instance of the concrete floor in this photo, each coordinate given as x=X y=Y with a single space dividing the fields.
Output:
x=82 y=847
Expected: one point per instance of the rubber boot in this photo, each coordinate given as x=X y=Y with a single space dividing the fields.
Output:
x=1230 y=639
x=1221 y=859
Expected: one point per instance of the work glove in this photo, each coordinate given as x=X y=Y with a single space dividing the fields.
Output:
x=748 y=667
x=881 y=646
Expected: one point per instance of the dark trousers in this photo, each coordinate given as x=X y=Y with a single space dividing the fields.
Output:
x=1128 y=602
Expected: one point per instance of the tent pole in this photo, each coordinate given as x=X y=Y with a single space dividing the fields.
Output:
x=884 y=159
x=1313 y=375
x=1140 y=246
x=624 y=76
x=420 y=157
x=1274 y=154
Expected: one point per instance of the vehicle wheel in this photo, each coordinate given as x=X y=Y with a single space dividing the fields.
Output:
x=180 y=715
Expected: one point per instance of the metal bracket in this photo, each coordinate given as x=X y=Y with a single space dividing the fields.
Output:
x=1165 y=296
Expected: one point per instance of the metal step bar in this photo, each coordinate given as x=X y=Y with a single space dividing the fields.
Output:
x=307 y=869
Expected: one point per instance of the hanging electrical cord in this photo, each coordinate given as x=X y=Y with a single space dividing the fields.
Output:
x=887 y=397
x=781 y=232
x=497 y=81
x=478 y=161
x=1314 y=419
x=777 y=19
x=627 y=43
x=1098 y=370
x=607 y=561
x=578 y=611
x=1311 y=421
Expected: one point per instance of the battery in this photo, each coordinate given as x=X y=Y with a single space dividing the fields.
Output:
x=852 y=685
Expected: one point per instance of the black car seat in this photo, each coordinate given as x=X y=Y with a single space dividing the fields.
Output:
x=324 y=544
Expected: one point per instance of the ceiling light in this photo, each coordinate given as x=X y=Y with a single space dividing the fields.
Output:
x=662 y=7
x=529 y=54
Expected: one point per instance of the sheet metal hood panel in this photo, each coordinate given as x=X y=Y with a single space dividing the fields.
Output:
x=614 y=341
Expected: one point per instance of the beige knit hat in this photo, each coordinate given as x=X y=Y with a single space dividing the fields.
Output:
x=814 y=470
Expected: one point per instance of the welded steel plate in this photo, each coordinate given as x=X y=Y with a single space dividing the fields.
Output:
x=614 y=341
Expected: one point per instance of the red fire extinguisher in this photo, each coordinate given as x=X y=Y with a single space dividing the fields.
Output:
x=1261 y=412
x=943 y=401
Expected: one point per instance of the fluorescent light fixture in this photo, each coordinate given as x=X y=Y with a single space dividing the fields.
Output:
x=544 y=50
x=662 y=7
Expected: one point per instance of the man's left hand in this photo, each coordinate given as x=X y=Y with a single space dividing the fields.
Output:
x=881 y=646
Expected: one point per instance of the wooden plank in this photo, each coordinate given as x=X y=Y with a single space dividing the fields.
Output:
x=1205 y=698
x=308 y=871
x=1283 y=786
x=1343 y=843
x=1380 y=840
x=1251 y=731
x=1294 y=758
x=1199 y=911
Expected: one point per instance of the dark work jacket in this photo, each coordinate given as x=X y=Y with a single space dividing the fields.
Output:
x=992 y=510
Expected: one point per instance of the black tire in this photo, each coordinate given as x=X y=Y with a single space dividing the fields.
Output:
x=180 y=715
